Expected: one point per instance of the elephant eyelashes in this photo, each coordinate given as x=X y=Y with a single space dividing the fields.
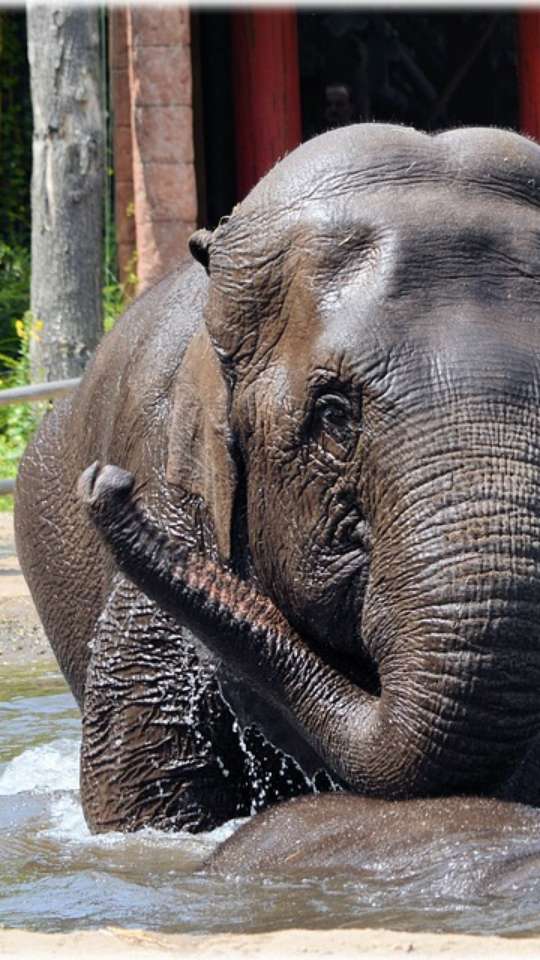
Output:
x=332 y=425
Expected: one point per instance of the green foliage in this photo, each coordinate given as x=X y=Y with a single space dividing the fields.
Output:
x=14 y=299
x=15 y=168
x=17 y=421
x=116 y=295
x=15 y=129
x=113 y=303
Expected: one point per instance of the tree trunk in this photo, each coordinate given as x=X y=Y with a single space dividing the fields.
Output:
x=67 y=189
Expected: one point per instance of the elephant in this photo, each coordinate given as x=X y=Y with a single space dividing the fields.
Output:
x=474 y=845
x=285 y=537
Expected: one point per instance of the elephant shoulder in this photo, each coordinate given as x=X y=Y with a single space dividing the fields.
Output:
x=125 y=389
x=149 y=339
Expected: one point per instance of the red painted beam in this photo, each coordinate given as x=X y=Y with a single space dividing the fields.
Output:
x=529 y=72
x=266 y=84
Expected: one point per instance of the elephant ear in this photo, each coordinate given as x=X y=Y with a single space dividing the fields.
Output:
x=199 y=457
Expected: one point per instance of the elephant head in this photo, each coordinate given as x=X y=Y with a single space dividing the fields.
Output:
x=360 y=414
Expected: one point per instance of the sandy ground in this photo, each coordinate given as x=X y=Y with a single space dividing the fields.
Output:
x=116 y=944
x=22 y=641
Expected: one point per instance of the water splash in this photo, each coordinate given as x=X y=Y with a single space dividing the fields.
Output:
x=69 y=826
x=67 y=821
x=52 y=766
x=54 y=769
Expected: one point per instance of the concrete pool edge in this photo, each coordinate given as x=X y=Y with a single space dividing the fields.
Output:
x=114 y=943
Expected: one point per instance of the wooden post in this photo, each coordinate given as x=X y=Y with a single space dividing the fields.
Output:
x=266 y=91
x=529 y=72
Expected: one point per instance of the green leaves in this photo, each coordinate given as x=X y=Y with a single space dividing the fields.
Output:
x=15 y=130
x=14 y=300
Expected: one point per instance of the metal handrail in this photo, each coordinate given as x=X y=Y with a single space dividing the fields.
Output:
x=38 y=391
x=31 y=394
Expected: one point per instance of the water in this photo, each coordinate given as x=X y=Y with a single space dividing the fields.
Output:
x=55 y=876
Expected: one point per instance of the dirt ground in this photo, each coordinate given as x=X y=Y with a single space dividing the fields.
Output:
x=22 y=641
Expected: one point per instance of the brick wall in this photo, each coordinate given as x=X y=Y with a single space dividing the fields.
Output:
x=159 y=148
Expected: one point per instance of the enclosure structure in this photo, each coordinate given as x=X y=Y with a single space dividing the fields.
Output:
x=204 y=102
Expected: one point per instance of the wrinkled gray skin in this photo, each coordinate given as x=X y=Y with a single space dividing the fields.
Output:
x=464 y=845
x=354 y=430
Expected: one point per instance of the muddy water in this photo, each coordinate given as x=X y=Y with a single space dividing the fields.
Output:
x=55 y=876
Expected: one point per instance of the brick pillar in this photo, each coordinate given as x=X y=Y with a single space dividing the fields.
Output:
x=529 y=71
x=162 y=137
x=122 y=153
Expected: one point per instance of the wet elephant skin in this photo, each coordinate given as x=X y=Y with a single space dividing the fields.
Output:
x=470 y=845
x=316 y=561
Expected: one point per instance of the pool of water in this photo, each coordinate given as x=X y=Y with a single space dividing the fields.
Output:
x=54 y=875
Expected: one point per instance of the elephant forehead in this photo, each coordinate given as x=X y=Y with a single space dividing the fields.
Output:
x=355 y=281
x=402 y=235
x=403 y=263
x=403 y=224
x=368 y=230
x=458 y=285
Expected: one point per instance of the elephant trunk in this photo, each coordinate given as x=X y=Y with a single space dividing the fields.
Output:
x=351 y=730
x=451 y=616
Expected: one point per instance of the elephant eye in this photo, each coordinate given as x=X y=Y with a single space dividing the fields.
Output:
x=333 y=410
x=332 y=421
